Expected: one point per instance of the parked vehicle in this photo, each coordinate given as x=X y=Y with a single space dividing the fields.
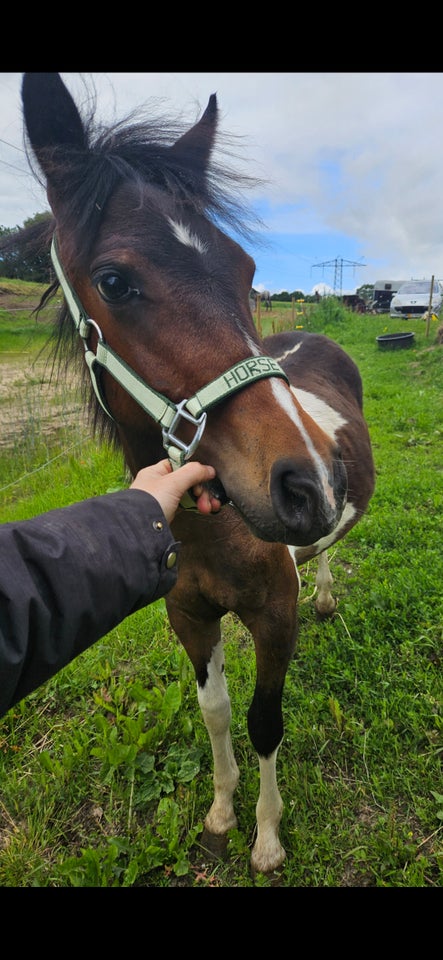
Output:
x=412 y=299
x=383 y=292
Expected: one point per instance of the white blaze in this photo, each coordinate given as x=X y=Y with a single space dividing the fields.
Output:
x=328 y=419
x=184 y=235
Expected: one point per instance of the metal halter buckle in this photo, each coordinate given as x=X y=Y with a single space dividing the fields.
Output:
x=169 y=438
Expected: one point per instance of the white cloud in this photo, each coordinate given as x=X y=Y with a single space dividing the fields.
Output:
x=353 y=155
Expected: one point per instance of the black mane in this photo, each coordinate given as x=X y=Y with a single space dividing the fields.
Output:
x=135 y=149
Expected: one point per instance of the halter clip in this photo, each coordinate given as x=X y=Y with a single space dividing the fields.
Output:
x=169 y=438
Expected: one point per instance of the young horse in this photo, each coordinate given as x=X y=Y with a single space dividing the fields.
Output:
x=158 y=295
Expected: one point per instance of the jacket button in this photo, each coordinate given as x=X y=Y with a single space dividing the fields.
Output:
x=171 y=560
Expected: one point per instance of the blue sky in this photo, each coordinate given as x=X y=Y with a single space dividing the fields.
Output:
x=314 y=259
x=351 y=164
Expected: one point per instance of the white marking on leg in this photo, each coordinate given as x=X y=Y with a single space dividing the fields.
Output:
x=215 y=706
x=268 y=853
x=325 y=602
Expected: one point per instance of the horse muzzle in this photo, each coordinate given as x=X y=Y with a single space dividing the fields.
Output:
x=301 y=508
x=308 y=509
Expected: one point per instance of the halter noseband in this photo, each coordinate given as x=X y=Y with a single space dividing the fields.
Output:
x=163 y=411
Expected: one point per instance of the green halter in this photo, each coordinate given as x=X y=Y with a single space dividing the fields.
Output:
x=162 y=410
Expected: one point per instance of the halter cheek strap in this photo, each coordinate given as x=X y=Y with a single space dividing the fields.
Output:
x=159 y=407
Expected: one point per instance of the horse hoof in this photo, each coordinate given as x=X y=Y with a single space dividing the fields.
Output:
x=326 y=613
x=215 y=844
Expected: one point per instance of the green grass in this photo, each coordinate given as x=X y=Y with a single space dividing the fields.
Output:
x=106 y=770
x=19 y=331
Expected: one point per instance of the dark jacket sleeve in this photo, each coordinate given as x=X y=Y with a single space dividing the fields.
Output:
x=69 y=576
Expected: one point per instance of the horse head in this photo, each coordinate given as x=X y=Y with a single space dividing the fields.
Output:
x=162 y=294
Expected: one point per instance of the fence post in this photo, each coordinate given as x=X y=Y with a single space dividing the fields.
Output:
x=258 y=302
x=428 y=321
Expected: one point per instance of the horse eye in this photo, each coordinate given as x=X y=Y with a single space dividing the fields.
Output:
x=115 y=289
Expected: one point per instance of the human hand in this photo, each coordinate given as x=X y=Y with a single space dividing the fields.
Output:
x=168 y=485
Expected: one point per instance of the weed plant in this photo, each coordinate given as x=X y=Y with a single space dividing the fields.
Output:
x=106 y=770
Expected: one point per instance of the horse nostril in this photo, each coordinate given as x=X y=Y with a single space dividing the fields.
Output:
x=301 y=500
x=295 y=497
x=298 y=500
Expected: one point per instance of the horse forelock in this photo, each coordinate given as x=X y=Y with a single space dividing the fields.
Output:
x=137 y=150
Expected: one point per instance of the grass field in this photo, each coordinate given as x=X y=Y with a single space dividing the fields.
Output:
x=106 y=770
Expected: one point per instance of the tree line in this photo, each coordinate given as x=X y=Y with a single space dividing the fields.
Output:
x=19 y=257
x=20 y=260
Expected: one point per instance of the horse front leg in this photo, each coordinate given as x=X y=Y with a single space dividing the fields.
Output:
x=215 y=706
x=267 y=853
x=274 y=638
x=325 y=604
x=204 y=646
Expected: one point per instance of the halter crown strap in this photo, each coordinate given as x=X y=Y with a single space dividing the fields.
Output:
x=162 y=410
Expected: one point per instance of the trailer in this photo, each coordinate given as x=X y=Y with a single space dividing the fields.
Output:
x=383 y=292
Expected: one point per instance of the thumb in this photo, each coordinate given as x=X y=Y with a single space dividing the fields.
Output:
x=193 y=473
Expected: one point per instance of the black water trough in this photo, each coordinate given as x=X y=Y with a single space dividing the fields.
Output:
x=395 y=341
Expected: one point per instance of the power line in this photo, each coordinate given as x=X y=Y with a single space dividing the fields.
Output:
x=13 y=167
x=13 y=145
x=338 y=264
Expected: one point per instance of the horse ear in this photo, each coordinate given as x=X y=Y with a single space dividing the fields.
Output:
x=50 y=114
x=199 y=140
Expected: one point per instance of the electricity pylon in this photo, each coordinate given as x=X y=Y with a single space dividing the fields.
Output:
x=338 y=271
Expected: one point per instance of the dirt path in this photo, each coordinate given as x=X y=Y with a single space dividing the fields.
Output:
x=30 y=400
